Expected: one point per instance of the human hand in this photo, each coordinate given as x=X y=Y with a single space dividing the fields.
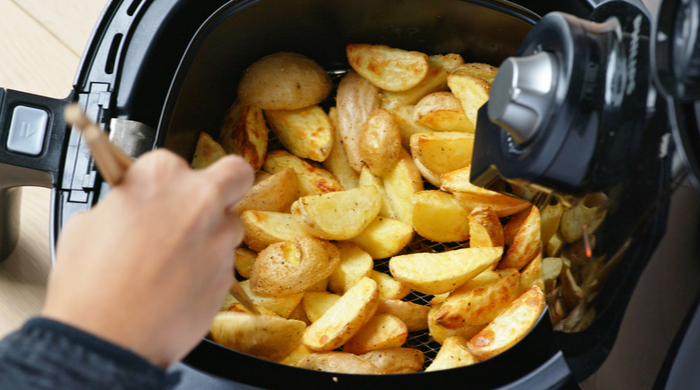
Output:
x=148 y=267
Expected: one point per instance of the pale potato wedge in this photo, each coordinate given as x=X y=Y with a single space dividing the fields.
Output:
x=260 y=176
x=299 y=314
x=381 y=331
x=263 y=336
x=368 y=179
x=396 y=360
x=355 y=264
x=443 y=152
x=341 y=362
x=453 y=353
x=298 y=354
x=531 y=275
x=442 y=111
x=415 y=316
x=510 y=326
x=240 y=308
x=306 y=132
x=555 y=244
x=480 y=300
x=275 y=193
x=316 y=303
x=551 y=269
x=388 y=68
x=550 y=218
x=292 y=266
x=244 y=261
x=511 y=228
x=206 y=152
x=438 y=217
x=380 y=142
x=526 y=244
x=589 y=211
x=440 y=334
x=244 y=133
x=321 y=285
x=439 y=299
x=384 y=237
x=264 y=228
x=284 y=81
x=472 y=91
x=389 y=288
x=356 y=99
x=485 y=228
x=400 y=184
x=339 y=215
x=404 y=118
x=437 y=273
x=339 y=323
x=337 y=162
x=311 y=178
x=283 y=305
x=436 y=80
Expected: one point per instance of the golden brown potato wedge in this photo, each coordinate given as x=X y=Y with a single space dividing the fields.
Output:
x=389 y=288
x=442 y=111
x=380 y=142
x=483 y=71
x=339 y=323
x=551 y=215
x=298 y=354
x=400 y=184
x=384 y=237
x=368 y=179
x=244 y=133
x=311 y=178
x=531 y=275
x=510 y=326
x=355 y=264
x=206 y=152
x=526 y=244
x=472 y=91
x=260 y=176
x=396 y=360
x=502 y=205
x=356 y=99
x=388 y=68
x=415 y=316
x=443 y=152
x=282 y=305
x=244 y=261
x=438 y=217
x=284 y=81
x=240 y=308
x=589 y=211
x=306 y=132
x=276 y=193
x=337 y=162
x=267 y=337
x=339 y=215
x=485 y=228
x=264 y=228
x=316 y=303
x=341 y=362
x=510 y=229
x=479 y=300
x=403 y=116
x=381 y=331
x=453 y=353
x=292 y=266
x=441 y=334
x=437 y=273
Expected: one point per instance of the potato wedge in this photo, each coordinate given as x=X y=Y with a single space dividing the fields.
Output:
x=551 y=216
x=479 y=300
x=511 y=228
x=337 y=162
x=341 y=362
x=244 y=261
x=356 y=99
x=388 y=287
x=440 y=334
x=206 y=152
x=384 y=237
x=437 y=273
x=276 y=193
x=485 y=228
x=551 y=269
x=339 y=323
x=368 y=179
x=381 y=331
x=298 y=354
x=238 y=307
x=355 y=264
x=415 y=316
x=244 y=133
x=284 y=81
x=526 y=244
x=438 y=217
x=283 y=305
x=228 y=301
x=472 y=91
x=432 y=177
x=396 y=360
x=311 y=178
x=454 y=353
x=442 y=111
x=306 y=132
x=264 y=228
x=338 y=215
x=380 y=142
x=531 y=275
x=321 y=285
x=400 y=184
x=443 y=152
x=388 y=68
x=589 y=211
x=292 y=266
x=267 y=337
x=555 y=244
x=316 y=303
x=299 y=314
x=510 y=326
x=482 y=71
x=436 y=80
x=471 y=196
x=404 y=118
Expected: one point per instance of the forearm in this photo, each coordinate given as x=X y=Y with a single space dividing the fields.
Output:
x=46 y=354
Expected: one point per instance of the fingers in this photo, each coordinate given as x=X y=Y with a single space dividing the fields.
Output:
x=233 y=175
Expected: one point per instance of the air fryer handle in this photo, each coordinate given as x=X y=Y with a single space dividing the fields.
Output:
x=32 y=133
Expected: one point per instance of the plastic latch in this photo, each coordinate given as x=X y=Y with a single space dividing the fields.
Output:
x=27 y=130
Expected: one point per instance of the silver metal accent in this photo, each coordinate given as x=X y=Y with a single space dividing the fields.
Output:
x=134 y=138
x=523 y=94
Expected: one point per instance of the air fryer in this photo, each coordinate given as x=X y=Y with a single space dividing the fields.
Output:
x=156 y=73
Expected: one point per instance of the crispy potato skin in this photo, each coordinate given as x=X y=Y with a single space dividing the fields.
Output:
x=244 y=133
x=380 y=142
x=388 y=68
